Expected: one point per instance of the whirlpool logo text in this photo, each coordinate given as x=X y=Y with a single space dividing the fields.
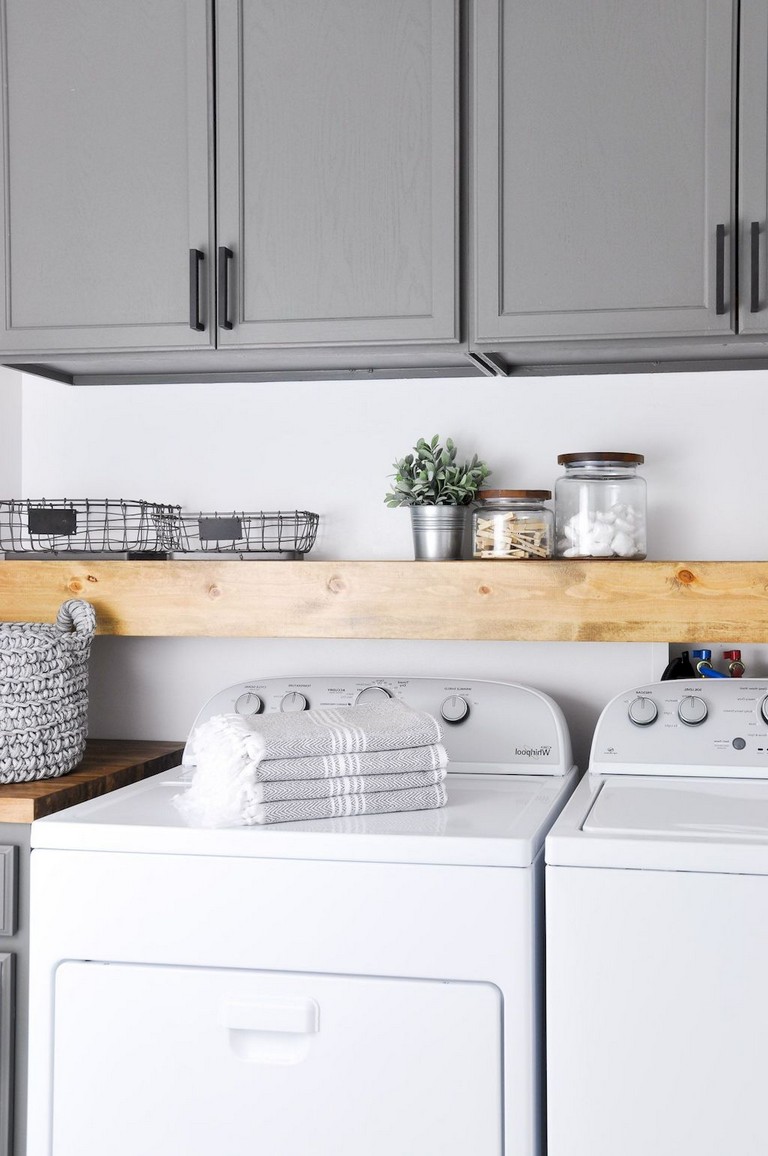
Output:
x=533 y=752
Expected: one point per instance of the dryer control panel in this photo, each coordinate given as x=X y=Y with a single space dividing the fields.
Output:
x=686 y=727
x=487 y=727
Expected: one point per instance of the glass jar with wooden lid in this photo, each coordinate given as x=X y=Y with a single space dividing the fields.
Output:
x=513 y=524
x=600 y=506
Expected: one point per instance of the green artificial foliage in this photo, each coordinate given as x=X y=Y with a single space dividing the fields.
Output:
x=431 y=476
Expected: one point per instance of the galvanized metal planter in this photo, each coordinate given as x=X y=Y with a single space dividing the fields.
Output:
x=438 y=532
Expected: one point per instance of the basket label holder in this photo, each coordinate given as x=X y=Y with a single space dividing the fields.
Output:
x=220 y=529
x=42 y=520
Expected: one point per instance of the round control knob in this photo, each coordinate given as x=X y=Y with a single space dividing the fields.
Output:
x=249 y=703
x=643 y=711
x=764 y=709
x=455 y=709
x=293 y=701
x=372 y=694
x=692 y=710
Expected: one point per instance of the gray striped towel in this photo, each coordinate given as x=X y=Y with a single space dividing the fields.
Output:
x=288 y=789
x=376 y=726
x=227 y=750
x=429 y=758
x=366 y=803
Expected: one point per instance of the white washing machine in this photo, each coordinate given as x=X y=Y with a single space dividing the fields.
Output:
x=369 y=986
x=657 y=930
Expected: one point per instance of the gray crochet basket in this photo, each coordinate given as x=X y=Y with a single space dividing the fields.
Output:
x=44 y=693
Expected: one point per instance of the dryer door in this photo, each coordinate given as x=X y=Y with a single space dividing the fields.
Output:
x=158 y=1060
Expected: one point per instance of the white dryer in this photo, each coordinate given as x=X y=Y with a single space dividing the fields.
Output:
x=369 y=986
x=657 y=930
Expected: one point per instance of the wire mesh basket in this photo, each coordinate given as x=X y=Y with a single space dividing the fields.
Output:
x=282 y=533
x=89 y=526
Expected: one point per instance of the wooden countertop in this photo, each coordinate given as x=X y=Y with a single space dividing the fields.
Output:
x=108 y=764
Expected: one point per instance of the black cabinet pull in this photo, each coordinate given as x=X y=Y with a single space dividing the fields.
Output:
x=720 y=271
x=225 y=256
x=754 y=267
x=196 y=258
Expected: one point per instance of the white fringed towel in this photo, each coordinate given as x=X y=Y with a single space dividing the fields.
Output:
x=429 y=758
x=365 y=803
x=286 y=790
x=227 y=751
x=378 y=726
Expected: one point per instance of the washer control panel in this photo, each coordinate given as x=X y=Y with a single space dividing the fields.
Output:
x=487 y=727
x=687 y=727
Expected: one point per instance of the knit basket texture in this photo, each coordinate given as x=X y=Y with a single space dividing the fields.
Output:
x=44 y=693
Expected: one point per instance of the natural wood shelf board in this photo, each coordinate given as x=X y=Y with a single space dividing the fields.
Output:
x=520 y=601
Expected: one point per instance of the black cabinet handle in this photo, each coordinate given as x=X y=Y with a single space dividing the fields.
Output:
x=225 y=256
x=754 y=267
x=196 y=258
x=720 y=270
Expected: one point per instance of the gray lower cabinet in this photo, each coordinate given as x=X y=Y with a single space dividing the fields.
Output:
x=8 y=1030
x=14 y=986
x=106 y=164
x=334 y=180
x=603 y=169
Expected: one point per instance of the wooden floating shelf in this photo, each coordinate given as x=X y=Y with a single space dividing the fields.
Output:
x=508 y=601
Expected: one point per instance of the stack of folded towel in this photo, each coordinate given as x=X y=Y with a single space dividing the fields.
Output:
x=278 y=768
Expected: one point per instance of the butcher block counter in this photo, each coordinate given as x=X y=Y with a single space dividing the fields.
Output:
x=107 y=765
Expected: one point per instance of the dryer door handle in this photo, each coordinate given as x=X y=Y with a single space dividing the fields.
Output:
x=297 y=1016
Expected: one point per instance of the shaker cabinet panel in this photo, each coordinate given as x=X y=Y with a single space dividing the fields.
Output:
x=337 y=171
x=106 y=172
x=753 y=174
x=603 y=158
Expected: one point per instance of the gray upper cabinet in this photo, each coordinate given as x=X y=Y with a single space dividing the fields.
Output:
x=337 y=171
x=271 y=188
x=753 y=168
x=106 y=173
x=327 y=217
x=603 y=169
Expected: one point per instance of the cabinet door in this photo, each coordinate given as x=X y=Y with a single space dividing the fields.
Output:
x=603 y=168
x=336 y=138
x=753 y=174
x=7 y=1022
x=106 y=172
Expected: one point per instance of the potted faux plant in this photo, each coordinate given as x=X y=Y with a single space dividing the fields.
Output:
x=438 y=490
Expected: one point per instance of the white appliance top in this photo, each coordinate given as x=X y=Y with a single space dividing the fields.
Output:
x=509 y=775
x=678 y=781
x=701 y=727
x=487 y=726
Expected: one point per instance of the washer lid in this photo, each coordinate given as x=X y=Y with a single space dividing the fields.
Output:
x=489 y=820
x=677 y=824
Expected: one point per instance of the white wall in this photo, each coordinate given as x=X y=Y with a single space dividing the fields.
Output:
x=329 y=447
x=10 y=433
